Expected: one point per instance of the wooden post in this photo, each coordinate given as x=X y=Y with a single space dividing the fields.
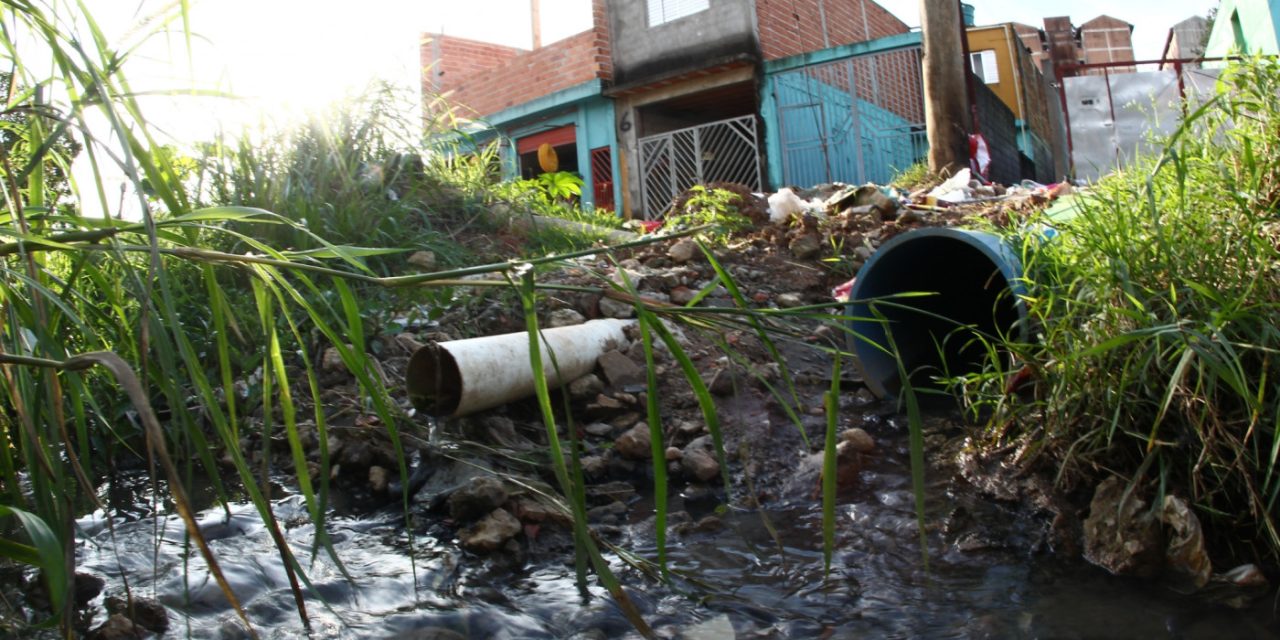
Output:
x=946 y=99
x=535 y=16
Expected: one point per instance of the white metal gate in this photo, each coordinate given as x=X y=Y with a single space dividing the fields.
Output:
x=722 y=151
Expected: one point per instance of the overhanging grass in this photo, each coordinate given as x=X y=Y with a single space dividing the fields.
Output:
x=1156 y=312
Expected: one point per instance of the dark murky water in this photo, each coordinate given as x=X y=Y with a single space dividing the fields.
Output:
x=984 y=582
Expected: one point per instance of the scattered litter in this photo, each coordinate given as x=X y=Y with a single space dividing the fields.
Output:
x=784 y=204
x=954 y=190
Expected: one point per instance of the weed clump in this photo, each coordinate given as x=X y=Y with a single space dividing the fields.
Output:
x=1154 y=309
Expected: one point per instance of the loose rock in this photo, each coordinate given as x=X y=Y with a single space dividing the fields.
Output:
x=425 y=260
x=790 y=300
x=699 y=464
x=682 y=295
x=635 y=443
x=611 y=308
x=586 y=387
x=806 y=247
x=859 y=440
x=481 y=495
x=682 y=251
x=564 y=318
x=490 y=533
x=378 y=479
x=619 y=370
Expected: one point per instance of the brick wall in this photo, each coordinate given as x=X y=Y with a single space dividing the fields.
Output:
x=791 y=27
x=485 y=78
x=447 y=61
x=1106 y=39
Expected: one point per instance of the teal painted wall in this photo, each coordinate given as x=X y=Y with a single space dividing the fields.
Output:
x=818 y=123
x=786 y=87
x=593 y=121
x=1257 y=22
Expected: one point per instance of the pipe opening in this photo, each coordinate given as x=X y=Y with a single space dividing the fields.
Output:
x=974 y=279
x=434 y=381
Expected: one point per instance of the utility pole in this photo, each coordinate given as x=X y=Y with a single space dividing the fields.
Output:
x=946 y=99
x=535 y=16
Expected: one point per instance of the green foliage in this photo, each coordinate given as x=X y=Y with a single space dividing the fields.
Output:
x=557 y=186
x=1155 y=309
x=716 y=208
x=347 y=174
x=913 y=177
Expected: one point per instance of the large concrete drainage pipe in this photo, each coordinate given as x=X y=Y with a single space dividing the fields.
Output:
x=977 y=282
x=459 y=377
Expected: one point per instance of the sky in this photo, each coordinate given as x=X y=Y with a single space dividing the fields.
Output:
x=286 y=56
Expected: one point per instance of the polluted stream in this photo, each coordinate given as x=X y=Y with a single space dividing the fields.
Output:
x=735 y=572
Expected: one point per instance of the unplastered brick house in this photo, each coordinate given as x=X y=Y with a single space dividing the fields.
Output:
x=659 y=95
x=1103 y=39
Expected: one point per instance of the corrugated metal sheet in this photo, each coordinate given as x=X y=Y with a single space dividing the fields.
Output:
x=1113 y=118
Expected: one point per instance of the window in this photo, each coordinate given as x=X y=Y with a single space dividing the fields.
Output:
x=984 y=66
x=664 y=11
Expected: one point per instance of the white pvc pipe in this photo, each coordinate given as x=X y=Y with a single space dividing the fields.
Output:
x=459 y=377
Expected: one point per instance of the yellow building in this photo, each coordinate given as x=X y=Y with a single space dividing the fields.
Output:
x=999 y=59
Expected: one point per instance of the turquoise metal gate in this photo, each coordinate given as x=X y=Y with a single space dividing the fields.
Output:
x=856 y=119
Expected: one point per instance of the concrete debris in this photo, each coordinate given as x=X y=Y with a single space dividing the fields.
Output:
x=1121 y=534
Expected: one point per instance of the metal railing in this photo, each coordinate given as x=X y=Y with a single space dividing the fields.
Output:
x=721 y=151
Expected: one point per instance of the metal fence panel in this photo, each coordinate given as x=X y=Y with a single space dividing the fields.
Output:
x=721 y=151
x=854 y=120
x=1114 y=117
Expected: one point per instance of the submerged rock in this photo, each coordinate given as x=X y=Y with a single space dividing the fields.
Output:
x=698 y=462
x=144 y=612
x=117 y=627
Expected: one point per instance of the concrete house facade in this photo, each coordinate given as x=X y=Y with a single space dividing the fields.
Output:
x=662 y=94
x=526 y=98
x=1186 y=40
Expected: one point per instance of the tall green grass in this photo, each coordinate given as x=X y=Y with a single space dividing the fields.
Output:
x=1155 y=315
x=130 y=339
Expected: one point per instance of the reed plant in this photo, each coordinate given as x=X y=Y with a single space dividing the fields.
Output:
x=1154 y=315
x=132 y=338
